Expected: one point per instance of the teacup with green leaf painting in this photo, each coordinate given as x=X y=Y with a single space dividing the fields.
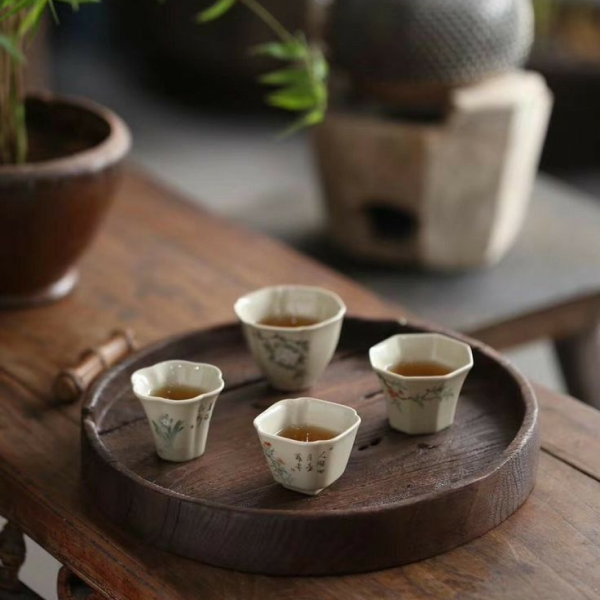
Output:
x=178 y=397
x=292 y=332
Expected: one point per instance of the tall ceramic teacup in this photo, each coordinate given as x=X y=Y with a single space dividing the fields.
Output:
x=307 y=467
x=425 y=404
x=179 y=427
x=291 y=358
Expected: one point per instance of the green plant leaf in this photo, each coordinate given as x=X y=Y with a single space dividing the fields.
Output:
x=293 y=50
x=292 y=98
x=302 y=85
x=7 y=44
x=308 y=119
x=32 y=18
x=13 y=7
x=319 y=66
x=215 y=11
x=291 y=76
x=53 y=11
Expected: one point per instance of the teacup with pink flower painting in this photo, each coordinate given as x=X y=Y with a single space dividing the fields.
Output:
x=421 y=404
x=307 y=466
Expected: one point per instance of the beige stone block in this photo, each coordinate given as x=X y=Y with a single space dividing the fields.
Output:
x=449 y=193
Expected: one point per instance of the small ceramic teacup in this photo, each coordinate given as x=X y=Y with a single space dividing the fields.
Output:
x=423 y=404
x=179 y=427
x=307 y=467
x=291 y=358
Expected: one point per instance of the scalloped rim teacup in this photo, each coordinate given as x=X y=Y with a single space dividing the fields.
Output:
x=179 y=427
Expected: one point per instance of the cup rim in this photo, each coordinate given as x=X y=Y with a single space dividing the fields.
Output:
x=160 y=399
x=337 y=438
x=313 y=288
x=396 y=376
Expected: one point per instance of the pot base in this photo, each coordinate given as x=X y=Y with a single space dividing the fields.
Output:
x=59 y=289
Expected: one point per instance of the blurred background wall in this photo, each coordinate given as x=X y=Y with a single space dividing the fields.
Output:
x=162 y=46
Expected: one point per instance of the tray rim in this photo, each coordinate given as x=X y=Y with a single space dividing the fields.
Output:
x=526 y=432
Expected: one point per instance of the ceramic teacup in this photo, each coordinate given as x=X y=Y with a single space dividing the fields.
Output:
x=179 y=427
x=291 y=358
x=307 y=467
x=425 y=404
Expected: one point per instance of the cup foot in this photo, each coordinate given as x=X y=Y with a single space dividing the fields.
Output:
x=424 y=431
x=178 y=459
x=57 y=290
x=303 y=491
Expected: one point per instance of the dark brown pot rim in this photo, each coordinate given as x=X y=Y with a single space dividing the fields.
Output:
x=98 y=157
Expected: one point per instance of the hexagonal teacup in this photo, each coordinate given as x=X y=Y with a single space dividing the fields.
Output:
x=426 y=404
x=307 y=467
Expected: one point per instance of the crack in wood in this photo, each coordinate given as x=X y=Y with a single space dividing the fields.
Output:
x=554 y=454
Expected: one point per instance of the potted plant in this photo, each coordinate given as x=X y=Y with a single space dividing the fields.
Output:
x=59 y=166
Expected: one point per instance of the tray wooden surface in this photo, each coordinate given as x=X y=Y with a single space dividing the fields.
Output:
x=401 y=499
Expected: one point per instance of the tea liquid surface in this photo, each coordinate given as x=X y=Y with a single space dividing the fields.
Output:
x=178 y=392
x=421 y=368
x=288 y=321
x=307 y=433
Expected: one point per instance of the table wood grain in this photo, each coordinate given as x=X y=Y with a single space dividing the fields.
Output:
x=161 y=267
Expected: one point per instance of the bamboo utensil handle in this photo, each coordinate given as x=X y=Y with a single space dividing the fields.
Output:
x=72 y=382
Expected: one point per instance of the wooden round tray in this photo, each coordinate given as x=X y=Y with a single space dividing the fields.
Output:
x=401 y=499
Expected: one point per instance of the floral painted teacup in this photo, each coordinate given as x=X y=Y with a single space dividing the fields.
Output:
x=427 y=403
x=307 y=467
x=179 y=426
x=291 y=357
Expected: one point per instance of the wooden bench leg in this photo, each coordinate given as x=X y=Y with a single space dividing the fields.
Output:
x=579 y=357
x=71 y=587
x=12 y=557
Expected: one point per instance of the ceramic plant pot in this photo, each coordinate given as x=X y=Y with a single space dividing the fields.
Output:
x=307 y=467
x=292 y=358
x=51 y=207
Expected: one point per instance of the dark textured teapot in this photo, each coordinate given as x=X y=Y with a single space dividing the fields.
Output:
x=446 y=42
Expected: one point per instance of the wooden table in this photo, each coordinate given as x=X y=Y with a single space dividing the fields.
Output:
x=162 y=267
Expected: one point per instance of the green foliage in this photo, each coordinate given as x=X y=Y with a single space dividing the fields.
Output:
x=31 y=13
x=7 y=44
x=19 y=21
x=215 y=11
x=302 y=85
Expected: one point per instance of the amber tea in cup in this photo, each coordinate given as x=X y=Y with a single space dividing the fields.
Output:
x=420 y=368
x=178 y=392
x=307 y=433
x=421 y=376
x=288 y=321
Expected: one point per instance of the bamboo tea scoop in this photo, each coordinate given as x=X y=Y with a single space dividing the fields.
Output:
x=72 y=382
